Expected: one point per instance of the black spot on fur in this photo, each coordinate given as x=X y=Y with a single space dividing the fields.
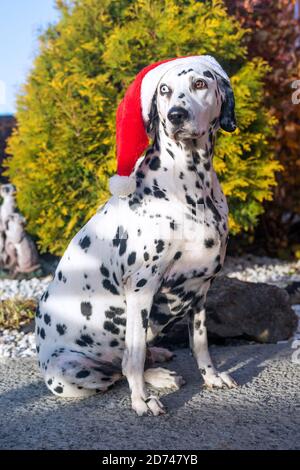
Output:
x=111 y=327
x=113 y=311
x=154 y=164
x=160 y=246
x=104 y=271
x=170 y=153
x=110 y=287
x=118 y=236
x=209 y=242
x=119 y=321
x=58 y=389
x=177 y=255
x=131 y=258
x=47 y=319
x=86 y=309
x=82 y=374
x=61 y=329
x=123 y=246
x=42 y=333
x=218 y=268
x=115 y=279
x=190 y=201
x=140 y=174
x=59 y=275
x=85 y=340
x=207 y=166
x=114 y=343
x=208 y=74
x=146 y=256
x=213 y=209
x=38 y=312
x=141 y=282
x=85 y=242
x=157 y=192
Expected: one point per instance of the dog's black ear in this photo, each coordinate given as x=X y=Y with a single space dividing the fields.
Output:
x=227 y=116
x=152 y=126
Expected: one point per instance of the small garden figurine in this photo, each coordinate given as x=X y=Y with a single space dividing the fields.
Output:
x=18 y=253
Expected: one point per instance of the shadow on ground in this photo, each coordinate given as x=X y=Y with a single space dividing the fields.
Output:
x=263 y=413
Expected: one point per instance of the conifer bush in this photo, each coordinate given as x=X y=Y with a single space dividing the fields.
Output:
x=63 y=150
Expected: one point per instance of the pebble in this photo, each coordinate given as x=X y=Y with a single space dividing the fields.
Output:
x=23 y=288
x=262 y=269
x=14 y=343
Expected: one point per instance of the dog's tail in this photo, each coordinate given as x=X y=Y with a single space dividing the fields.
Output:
x=71 y=373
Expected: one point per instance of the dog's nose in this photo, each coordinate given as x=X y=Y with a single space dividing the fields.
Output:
x=177 y=115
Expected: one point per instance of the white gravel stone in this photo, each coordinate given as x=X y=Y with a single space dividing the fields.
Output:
x=23 y=288
x=262 y=269
x=14 y=343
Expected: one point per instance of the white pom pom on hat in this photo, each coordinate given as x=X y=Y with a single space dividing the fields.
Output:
x=122 y=185
x=132 y=117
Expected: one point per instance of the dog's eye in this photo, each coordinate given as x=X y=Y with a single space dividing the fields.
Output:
x=200 y=84
x=164 y=89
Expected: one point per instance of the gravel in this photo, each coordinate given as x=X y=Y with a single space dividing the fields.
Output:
x=23 y=288
x=14 y=343
x=262 y=269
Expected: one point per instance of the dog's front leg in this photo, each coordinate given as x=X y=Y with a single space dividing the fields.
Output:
x=199 y=345
x=139 y=303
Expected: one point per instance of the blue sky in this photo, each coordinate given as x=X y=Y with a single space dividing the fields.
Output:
x=20 y=23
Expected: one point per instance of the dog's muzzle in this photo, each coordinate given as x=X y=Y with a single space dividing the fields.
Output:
x=177 y=115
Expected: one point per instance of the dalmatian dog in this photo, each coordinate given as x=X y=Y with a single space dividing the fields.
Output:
x=147 y=259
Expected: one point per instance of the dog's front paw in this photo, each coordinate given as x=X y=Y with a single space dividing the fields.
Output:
x=163 y=378
x=219 y=380
x=150 y=405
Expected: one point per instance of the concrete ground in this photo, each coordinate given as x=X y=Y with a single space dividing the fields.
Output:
x=263 y=413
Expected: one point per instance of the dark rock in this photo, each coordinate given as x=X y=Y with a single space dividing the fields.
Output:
x=237 y=309
x=258 y=311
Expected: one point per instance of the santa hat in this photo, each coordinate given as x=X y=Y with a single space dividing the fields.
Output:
x=133 y=116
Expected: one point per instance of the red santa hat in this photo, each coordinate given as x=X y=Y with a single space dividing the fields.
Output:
x=133 y=114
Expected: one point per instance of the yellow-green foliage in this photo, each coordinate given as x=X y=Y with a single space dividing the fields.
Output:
x=64 y=148
x=16 y=312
